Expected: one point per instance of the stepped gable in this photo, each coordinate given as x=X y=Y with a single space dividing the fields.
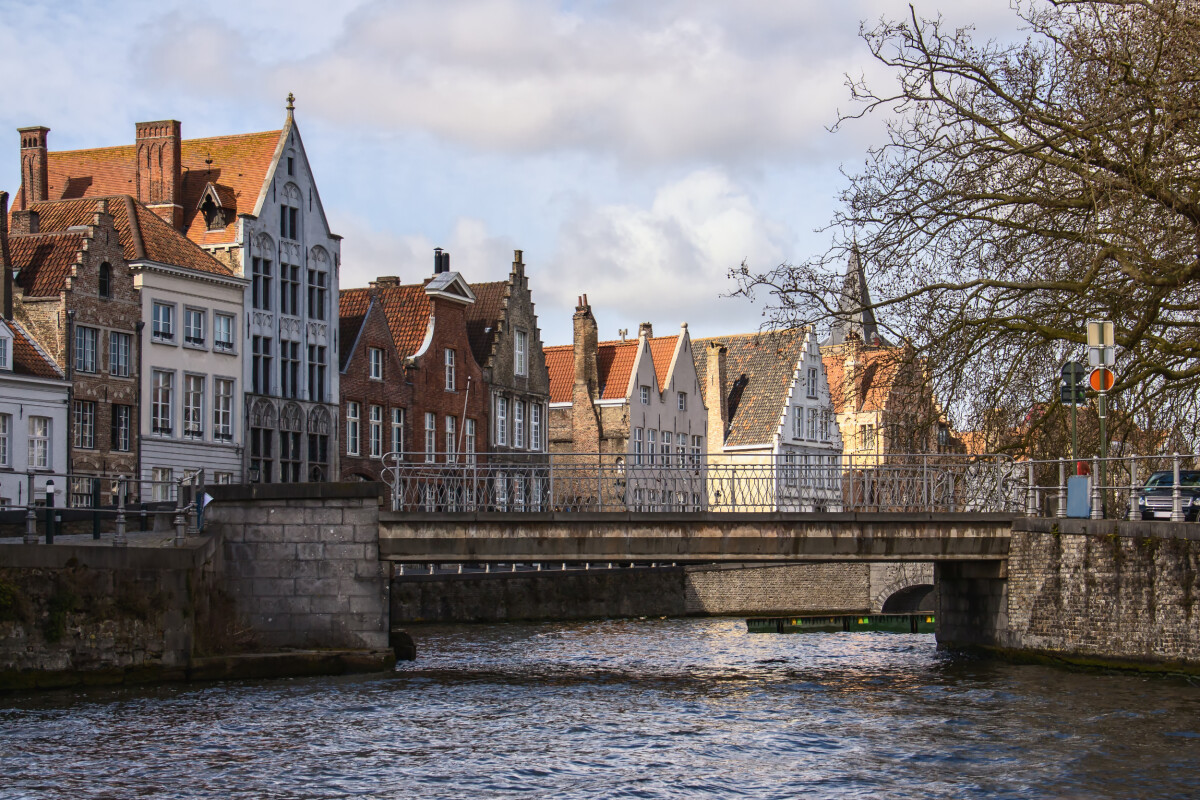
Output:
x=878 y=370
x=236 y=166
x=484 y=317
x=760 y=368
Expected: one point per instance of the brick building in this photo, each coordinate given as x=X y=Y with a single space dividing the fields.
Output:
x=251 y=201
x=434 y=405
x=507 y=344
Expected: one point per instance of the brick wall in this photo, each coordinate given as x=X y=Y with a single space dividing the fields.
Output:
x=393 y=391
x=302 y=562
x=792 y=589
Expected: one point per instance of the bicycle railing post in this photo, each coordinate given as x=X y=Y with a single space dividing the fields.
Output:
x=119 y=539
x=1061 y=511
x=1030 y=494
x=30 y=514
x=1176 y=495
x=1097 y=509
x=1134 y=511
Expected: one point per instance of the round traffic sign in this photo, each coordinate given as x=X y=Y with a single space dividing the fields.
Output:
x=1102 y=379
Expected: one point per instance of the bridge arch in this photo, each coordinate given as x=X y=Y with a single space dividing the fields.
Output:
x=899 y=588
x=910 y=599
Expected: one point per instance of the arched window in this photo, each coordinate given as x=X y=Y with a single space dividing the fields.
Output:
x=318 y=444
x=104 y=281
x=262 y=441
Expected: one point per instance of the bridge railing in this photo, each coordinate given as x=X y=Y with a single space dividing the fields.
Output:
x=1152 y=487
x=688 y=482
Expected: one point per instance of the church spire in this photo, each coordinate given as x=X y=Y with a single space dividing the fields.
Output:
x=854 y=314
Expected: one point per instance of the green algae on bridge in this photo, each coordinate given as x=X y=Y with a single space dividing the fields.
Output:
x=692 y=537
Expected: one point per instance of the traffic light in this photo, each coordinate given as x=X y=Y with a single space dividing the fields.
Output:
x=1074 y=382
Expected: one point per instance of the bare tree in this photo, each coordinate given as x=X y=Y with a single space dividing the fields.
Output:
x=1024 y=188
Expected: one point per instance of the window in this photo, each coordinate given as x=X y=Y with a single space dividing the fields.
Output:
x=520 y=350
x=193 y=326
x=163 y=326
x=4 y=363
x=645 y=391
x=289 y=375
x=262 y=450
x=352 y=413
x=518 y=438
x=451 y=449
x=289 y=218
x=397 y=430
x=119 y=348
x=697 y=449
x=449 y=358
x=223 y=333
x=260 y=284
x=122 y=428
x=260 y=368
x=316 y=373
x=683 y=401
x=430 y=435
x=535 y=427
x=375 y=358
x=866 y=436
x=812 y=424
x=318 y=288
x=797 y=422
x=39 y=443
x=637 y=446
x=290 y=456
x=375 y=430
x=789 y=468
x=163 y=479
x=666 y=448
x=824 y=426
x=193 y=406
x=5 y=440
x=469 y=441
x=223 y=409
x=291 y=164
x=162 y=391
x=289 y=289
x=86 y=340
x=812 y=382
x=83 y=413
x=501 y=421
x=651 y=445
x=222 y=478
x=318 y=455
x=104 y=280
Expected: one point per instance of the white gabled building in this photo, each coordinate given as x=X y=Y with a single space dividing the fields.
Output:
x=34 y=394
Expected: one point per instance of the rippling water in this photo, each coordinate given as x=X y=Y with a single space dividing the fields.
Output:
x=640 y=709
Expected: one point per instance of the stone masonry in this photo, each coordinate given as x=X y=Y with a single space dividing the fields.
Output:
x=301 y=563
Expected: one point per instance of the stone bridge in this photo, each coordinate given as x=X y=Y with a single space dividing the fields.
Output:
x=622 y=537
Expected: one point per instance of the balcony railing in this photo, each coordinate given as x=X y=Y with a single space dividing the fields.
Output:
x=682 y=482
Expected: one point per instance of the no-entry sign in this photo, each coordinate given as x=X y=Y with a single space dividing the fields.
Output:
x=1102 y=379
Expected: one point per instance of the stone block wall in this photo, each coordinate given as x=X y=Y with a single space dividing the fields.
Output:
x=735 y=589
x=972 y=603
x=301 y=563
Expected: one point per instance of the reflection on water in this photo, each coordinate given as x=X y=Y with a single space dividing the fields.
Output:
x=645 y=708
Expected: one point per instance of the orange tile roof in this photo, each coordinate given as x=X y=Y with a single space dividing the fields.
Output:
x=878 y=373
x=237 y=165
x=43 y=261
x=143 y=234
x=28 y=358
x=484 y=317
x=614 y=364
x=560 y=363
x=353 y=305
x=662 y=349
x=407 y=309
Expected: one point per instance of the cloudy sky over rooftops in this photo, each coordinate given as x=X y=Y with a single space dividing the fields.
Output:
x=636 y=151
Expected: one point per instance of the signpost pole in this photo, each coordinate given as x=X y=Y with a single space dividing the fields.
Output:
x=1074 y=428
x=1103 y=404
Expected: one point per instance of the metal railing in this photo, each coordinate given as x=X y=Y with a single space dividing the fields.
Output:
x=692 y=482
x=52 y=501
x=1115 y=487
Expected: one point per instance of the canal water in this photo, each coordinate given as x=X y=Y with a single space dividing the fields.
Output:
x=623 y=709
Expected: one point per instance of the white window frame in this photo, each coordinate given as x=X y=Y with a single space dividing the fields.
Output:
x=518 y=437
x=666 y=448
x=223 y=409
x=651 y=446
x=120 y=350
x=430 y=436
x=637 y=446
x=683 y=401
x=353 y=412
x=162 y=411
x=535 y=427
x=469 y=441
x=645 y=394
x=87 y=348
x=193 y=332
x=223 y=323
x=163 y=478
x=122 y=435
x=375 y=430
x=398 y=430
x=83 y=418
x=501 y=421
x=5 y=363
x=811 y=388
x=520 y=352
x=375 y=363
x=450 y=443
x=162 y=329
x=5 y=440
x=448 y=357
x=812 y=425
x=193 y=406
x=40 y=431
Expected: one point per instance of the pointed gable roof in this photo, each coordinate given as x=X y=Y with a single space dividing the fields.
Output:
x=484 y=317
x=353 y=306
x=615 y=361
x=876 y=374
x=855 y=314
x=760 y=370
x=409 y=314
x=237 y=166
x=28 y=358
x=560 y=363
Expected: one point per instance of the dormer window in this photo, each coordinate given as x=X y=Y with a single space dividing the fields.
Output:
x=216 y=206
x=214 y=216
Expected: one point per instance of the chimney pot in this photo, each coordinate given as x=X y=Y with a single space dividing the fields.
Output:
x=25 y=222
x=385 y=281
x=646 y=329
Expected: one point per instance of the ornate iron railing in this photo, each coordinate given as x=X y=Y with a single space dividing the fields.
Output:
x=684 y=482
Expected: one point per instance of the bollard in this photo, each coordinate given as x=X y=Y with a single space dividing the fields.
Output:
x=180 y=516
x=119 y=539
x=49 y=512
x=1097 y=510
x=96 y=509
x=30 y=514
x=1134 y=511
x=1061 y=511
x=1176 y=496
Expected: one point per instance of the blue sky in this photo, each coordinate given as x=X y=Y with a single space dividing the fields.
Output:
x=634 y=150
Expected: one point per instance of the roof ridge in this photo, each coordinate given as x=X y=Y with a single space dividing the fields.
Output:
x=131 y=145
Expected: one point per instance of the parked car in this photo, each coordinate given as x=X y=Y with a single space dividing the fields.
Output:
x=1154 y=499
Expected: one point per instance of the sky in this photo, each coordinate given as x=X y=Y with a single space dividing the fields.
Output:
x=635 y=150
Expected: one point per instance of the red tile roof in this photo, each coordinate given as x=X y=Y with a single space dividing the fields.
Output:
x=614 y=365
x=662 y=349
x=353 y=305
x=560 y=363
x=28 y=358
x=43 y=261
x=407 y=309
x=237 y=165
x=878 y=373
x=484 y=317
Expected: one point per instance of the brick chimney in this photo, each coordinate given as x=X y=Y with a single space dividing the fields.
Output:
x=25 y=222
x=385 y=282
x=6 y=284
x=646 y=329
x=34 y=176
x=716 y=393
x=585 y=422
x=159 y=169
